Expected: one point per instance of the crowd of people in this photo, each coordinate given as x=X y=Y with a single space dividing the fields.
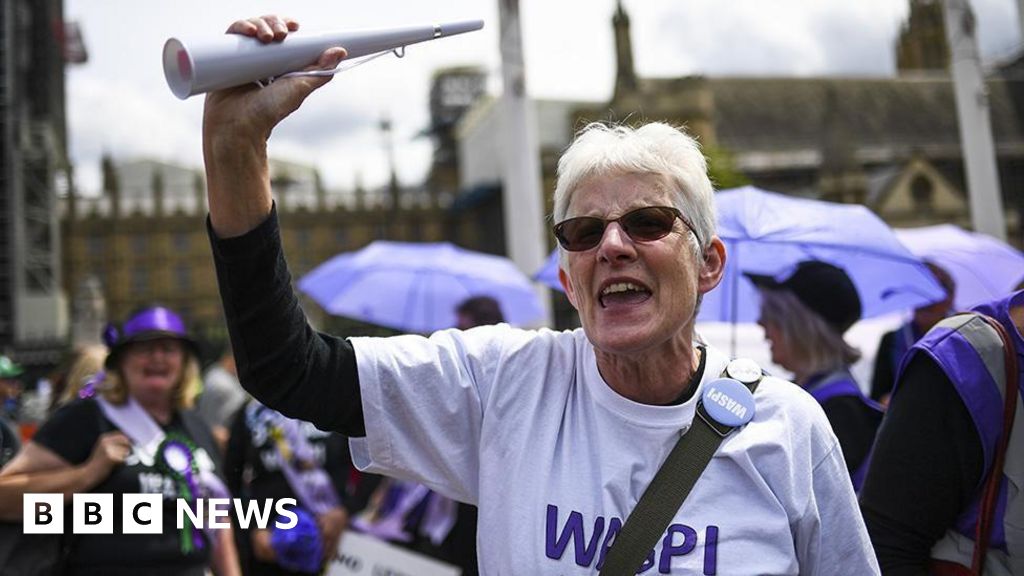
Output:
x=121 y=412
x=509 y=451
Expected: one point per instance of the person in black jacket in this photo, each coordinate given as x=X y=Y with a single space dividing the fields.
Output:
x=895 y=343
x=261 y=444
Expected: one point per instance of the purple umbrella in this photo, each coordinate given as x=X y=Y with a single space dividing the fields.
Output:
x=548 y=273
x=769 y=233
x=415 y=287
x=983 y=268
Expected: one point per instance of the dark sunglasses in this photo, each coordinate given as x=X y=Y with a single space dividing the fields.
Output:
x=642 y=225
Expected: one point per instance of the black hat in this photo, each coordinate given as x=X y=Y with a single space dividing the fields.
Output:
x=825 y=289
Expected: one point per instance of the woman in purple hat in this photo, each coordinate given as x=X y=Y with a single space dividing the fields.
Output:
x=132 y=432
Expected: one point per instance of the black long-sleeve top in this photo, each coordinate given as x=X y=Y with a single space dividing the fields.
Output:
x=926 y=468
x=282 y=361
x=884 y=374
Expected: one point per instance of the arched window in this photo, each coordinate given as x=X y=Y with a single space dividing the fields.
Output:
x=922 y=192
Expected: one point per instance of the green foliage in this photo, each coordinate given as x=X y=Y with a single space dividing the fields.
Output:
x=722 y=168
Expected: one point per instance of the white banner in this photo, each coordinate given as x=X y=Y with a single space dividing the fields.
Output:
x=359 y=554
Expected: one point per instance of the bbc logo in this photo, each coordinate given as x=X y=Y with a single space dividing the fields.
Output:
x=92 y=514
x=144 y=513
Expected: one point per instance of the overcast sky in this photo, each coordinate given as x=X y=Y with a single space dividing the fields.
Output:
x=118 y=102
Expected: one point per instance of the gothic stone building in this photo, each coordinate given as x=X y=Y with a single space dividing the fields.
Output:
x=891 y=143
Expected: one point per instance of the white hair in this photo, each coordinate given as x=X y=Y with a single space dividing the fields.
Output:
x=656 y=148
x=816 y=345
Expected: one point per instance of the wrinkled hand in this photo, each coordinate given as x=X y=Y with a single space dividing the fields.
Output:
x=111 y=450
x=332 y=524
x=250 y=111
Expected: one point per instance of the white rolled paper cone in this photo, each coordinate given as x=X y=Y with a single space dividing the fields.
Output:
x=210 y=64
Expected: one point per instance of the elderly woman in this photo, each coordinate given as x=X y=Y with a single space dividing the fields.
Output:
x=132 y=437
x=804 y=318
x=554 y=435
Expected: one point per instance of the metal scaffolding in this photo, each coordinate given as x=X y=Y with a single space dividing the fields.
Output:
x=33 y=168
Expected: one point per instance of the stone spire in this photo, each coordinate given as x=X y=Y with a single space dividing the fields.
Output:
x=625 y=75
x=922 y=44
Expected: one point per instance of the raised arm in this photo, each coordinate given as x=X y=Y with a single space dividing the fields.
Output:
x=281 y=360
x=236 y=125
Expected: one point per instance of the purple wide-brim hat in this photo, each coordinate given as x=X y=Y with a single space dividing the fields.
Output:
x=149 y=324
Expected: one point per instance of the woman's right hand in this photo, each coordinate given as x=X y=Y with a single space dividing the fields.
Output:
x=251 y=111
x=236 y=125
x=111 y=450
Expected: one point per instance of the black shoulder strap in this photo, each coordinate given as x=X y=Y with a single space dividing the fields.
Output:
x=986 y=516
x=666 y=493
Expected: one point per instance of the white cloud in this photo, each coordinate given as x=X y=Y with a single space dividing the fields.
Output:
x=116 y=117
x=119 y=102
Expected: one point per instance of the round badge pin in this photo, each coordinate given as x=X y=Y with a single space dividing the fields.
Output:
x=743 y=369
x=728 y=402
x=177 y=456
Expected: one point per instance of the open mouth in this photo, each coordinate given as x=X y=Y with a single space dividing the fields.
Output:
x=624 y=294
x=155 y=372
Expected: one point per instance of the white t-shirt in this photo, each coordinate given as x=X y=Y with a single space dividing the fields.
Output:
x=522 y=424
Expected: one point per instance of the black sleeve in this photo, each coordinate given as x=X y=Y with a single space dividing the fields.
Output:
x=926 y=467
x=855 y=427
x=884 y=375
x=281 y=360
x=235 y=454
x=72 y=431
